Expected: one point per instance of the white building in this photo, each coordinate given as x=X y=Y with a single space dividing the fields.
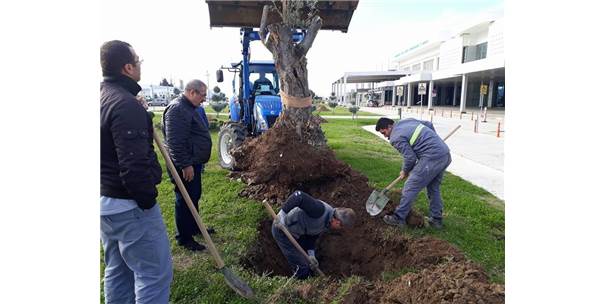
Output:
x=158 y=92
x=466 y=70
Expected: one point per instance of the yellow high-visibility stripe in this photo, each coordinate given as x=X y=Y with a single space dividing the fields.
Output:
x=416 y=134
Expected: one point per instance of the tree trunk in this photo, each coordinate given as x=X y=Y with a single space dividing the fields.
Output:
x=291 y=66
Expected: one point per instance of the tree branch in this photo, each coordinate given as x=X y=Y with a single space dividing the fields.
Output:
x=310 y=36
x=263 y=26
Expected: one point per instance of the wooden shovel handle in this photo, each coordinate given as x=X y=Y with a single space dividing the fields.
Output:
x=188 y=201
x=395 y=181
x=291 y=238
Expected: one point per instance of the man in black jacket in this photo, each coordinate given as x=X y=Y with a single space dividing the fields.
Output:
x=306 y=218
x=138 y=264
x=189 y=145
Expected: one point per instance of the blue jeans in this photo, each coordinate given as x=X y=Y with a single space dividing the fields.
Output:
x=184 y=220
x=426 y=173
x=138 y=265
x=298 y=263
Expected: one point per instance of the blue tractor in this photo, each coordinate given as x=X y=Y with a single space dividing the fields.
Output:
x=257 y=105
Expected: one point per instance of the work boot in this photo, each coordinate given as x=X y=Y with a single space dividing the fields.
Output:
x=435 y=223
x=394 y=221
x=193 y=246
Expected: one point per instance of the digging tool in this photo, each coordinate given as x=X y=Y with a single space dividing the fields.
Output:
x=233 y=281
x=377 y=199
x=271 y=212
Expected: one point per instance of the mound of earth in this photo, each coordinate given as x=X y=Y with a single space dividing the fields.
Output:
x=276 y=164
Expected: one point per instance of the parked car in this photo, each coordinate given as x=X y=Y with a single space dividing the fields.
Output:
x=157 y=102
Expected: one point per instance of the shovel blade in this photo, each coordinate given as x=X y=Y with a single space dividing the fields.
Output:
x=376 y=202
x=235 y=283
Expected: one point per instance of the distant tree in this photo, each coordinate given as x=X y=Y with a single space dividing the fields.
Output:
x=353 y=110
x=218 y=106
x=217 y=95
x=164 y=82
x=333 y=102
x=176 y=91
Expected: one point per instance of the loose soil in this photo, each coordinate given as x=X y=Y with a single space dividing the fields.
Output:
x=277 y=163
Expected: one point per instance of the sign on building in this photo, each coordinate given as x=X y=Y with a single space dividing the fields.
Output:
x=400 y=91
x=484 y=89
x=422 y=88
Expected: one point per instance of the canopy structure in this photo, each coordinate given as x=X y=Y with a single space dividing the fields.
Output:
x=336 y=15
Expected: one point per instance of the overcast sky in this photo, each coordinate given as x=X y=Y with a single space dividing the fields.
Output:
x=175 y=39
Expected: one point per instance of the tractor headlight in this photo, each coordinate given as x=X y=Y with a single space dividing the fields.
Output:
x=260 y=119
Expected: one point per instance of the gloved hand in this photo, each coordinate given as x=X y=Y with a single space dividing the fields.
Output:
x=311 y=253
x=314 y=263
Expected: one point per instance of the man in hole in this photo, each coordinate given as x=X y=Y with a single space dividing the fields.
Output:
x=306 y=218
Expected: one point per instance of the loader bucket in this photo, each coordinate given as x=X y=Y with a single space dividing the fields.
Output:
x=335 y=15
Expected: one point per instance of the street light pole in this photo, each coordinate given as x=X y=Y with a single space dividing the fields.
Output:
x=207 y=84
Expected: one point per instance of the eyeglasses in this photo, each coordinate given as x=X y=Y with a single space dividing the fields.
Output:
x=140 y=61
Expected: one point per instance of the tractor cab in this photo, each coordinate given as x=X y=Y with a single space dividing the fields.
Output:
x=257 y=100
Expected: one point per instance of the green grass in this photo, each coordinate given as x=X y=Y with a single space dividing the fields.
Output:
x=339 y=110
x=474 y=219
x=342 y=111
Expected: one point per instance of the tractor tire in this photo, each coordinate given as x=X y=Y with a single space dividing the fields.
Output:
x=231 y=135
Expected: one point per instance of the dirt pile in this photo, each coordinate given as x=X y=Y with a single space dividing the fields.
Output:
x=276 y=164
x=462 y=282
x=450 y=282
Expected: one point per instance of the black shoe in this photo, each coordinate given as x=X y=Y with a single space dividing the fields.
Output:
x=193 y=246
x=394 y=221
x=210 y=230
x=435 y=223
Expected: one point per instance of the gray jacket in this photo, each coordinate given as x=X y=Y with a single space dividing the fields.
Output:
x=426 y=144
x=304 y=215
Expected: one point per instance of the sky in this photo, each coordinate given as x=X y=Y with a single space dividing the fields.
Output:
x=176 y=42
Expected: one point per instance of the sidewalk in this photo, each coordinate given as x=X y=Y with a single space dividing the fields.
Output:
x=476 y=157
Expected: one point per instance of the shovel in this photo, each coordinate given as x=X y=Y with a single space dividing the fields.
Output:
x=377 y=199
x=314 y=267
x=233 y=281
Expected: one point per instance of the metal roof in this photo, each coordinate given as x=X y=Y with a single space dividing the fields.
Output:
x=378 y=76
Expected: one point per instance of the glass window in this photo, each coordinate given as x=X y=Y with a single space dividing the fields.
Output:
x=428 y=65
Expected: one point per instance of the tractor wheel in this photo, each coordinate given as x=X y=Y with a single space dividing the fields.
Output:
x=230 y=136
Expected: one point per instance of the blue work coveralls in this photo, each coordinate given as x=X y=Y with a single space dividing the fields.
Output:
x=425 y=158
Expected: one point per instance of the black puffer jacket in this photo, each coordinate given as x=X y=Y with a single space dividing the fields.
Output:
x=185 y=135
x=129 y=166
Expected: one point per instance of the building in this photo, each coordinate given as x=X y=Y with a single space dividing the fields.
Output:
x=465 y=70
x=151 y=92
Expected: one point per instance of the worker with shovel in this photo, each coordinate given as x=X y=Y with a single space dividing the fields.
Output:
x=305 y=218
x=426 y=156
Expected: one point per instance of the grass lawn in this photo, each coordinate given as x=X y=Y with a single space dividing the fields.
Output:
x=343 y=111
x=474 y=219
x=339 y=110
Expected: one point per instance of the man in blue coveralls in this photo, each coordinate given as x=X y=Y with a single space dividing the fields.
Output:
x=426 y=156
x=306 y=218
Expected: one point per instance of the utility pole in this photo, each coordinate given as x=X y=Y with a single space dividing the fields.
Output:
x=207 y=84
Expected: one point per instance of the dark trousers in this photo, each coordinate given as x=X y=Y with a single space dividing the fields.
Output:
x=298 y=263
x=186 y=225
